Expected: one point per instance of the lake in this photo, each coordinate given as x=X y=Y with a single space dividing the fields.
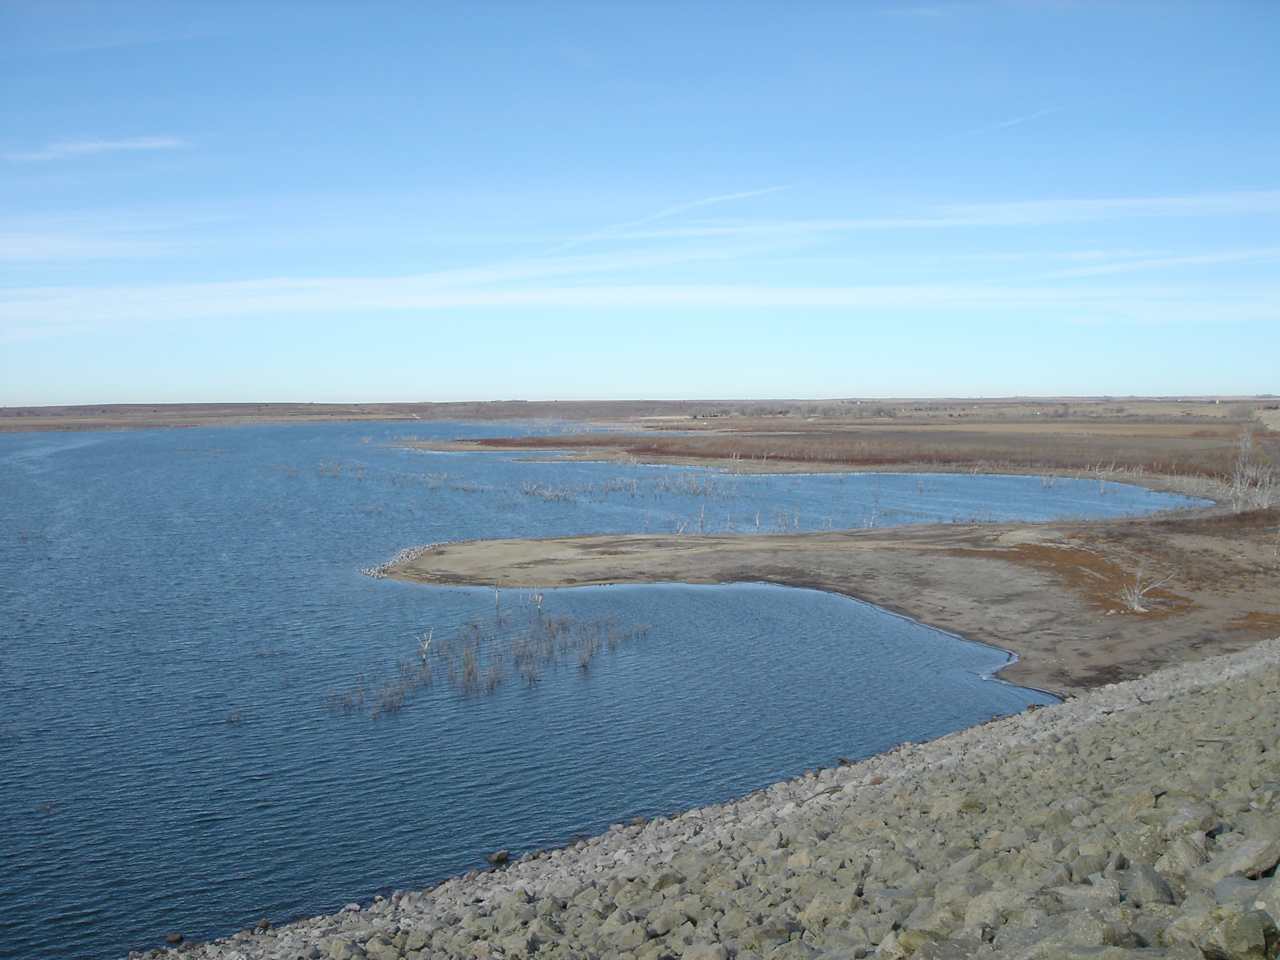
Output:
x=196 y=730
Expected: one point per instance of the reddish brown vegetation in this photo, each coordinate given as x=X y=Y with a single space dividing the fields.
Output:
x=1100 y=580
x=1197 y=452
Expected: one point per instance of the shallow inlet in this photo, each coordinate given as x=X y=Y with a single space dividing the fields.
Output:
x=176 y=607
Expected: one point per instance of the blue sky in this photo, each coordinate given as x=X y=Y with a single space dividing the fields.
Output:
x=416 y=201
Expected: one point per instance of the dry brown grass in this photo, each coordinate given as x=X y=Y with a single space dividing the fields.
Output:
x=1100 y=580
x=1161 y=448
x=1257 y=621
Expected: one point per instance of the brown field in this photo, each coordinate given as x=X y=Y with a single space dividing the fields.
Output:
x=1201 y=444
x=132 y=416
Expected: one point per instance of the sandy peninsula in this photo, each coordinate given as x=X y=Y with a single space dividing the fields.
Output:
x=1053 y=593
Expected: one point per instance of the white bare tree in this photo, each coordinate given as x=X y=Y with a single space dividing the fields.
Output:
x=1136 y=596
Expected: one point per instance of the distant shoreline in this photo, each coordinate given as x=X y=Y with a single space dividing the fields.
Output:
x=639 y=413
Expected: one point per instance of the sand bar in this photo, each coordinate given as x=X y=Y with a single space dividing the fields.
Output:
x=1050 y=592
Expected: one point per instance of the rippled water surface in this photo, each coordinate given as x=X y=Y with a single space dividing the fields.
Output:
x=180 y=610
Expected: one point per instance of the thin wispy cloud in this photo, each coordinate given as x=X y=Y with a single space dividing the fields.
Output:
x=541 y=268
x=51 y=310
x=1167 y=263
x=65 y=149
x=1065 y=256
x=994 y=214
x=130 y=232
x=1035 y=212
x=618 y=229
x=1011 y=122
x=58 y=240
x=19 y=247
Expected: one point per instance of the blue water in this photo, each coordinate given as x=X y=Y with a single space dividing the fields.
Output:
x=156 y=584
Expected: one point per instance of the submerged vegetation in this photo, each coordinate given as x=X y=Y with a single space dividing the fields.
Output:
x=707 y=486
x=480 y=657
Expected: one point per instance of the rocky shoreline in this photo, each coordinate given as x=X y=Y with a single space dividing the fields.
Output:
x=1140 y=819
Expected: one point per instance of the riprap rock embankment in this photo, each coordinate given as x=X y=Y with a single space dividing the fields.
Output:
x=1142 y=819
